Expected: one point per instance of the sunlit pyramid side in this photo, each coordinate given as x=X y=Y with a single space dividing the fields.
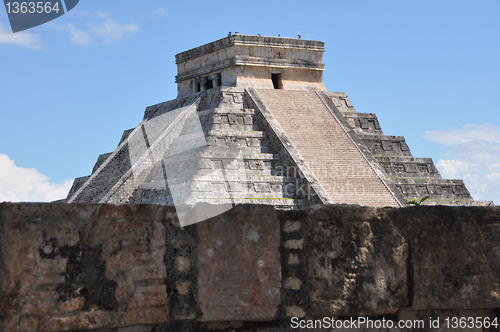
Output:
x=253 y=123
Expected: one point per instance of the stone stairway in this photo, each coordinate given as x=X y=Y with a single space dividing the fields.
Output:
x=228 y=148
x=415 y=177
x=326 y=148
x=220 y=154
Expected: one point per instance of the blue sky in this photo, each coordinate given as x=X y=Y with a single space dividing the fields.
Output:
x=430 y=70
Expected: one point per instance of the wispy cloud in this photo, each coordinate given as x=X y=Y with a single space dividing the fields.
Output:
x=98 y=28
x=161 y=11
x=474 y=156
x=111 y=31
x=468 y=133
x=19 y=184
x=24 y=38
x=78 y=36
x=79 y=12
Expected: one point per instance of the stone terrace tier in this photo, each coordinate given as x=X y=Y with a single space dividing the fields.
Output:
x=298 y=148
x=253 y=123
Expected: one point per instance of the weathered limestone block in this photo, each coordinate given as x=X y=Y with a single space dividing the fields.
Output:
x=68 y=267
x=455 y=257
x=132 y=268
x=239 y=274
x=357 y=262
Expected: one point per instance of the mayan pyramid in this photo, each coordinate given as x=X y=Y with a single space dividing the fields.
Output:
x=253 y=123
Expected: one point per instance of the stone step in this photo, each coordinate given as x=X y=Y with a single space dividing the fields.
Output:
x=443 y=189
x=227 y=111
x=77 y=183
x=254 y=140
x=228 y=120
x=125 y=134
x=200 y=196
x=279 y=203
x=386 y=146
x=208 y=127
x=222 y=134
x=364 y=123
x=207 y=177
x=205 y=154
x=239 y=134
x=220 y=192
x=319 y=138
x=456 y=202
x=341 y=101
x=409 y=167
x=100 y=160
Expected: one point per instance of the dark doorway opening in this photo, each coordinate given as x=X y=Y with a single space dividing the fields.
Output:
x=276 y=78
x=210 y=84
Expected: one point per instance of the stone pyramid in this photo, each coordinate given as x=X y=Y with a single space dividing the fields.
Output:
x=253 y=123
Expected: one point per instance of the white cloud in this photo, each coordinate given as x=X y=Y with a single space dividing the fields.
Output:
x=486 y=132
x=107 y=30
x=18 y=184
x=24 y=38
x=474 y=156
x=161 y=11
x=78 y=36
x=112 y=31
x=78 y=12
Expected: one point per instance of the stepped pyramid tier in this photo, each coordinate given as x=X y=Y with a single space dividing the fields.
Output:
x=253 y=123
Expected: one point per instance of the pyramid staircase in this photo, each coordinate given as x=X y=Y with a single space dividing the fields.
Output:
x=219 y=153
x=347 y=173
x=284 y=148
x=414 y=177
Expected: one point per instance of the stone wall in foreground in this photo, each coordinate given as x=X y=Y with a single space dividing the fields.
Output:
x=131 y=268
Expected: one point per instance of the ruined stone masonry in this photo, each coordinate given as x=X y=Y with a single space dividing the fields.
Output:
x=254 y=197
x=253 y=123
x=133 y=268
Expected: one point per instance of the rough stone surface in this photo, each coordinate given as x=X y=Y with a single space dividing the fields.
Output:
x=455 y=257
x=357 y=262
x=72 y=266
x=340 y=167
x=243 y=60
x=299 y=144
x=106 y=268
x=227 y=125
x=239 y=265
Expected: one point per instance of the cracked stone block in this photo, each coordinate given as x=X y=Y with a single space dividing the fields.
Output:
x=292 y=283
x=72 y=267
x=239 y=272
x=294 y=244
x=456 y=257
x=253 y=142
x=182 y=264
x=293 y=259
x=357 y=262
x=291 y=226
x=262 y=187
x=256 y=164
x=387 y=146
x=247 y=119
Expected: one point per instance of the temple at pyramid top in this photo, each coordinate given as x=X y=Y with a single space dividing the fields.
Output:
x=252 y=61
x=253 y=123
